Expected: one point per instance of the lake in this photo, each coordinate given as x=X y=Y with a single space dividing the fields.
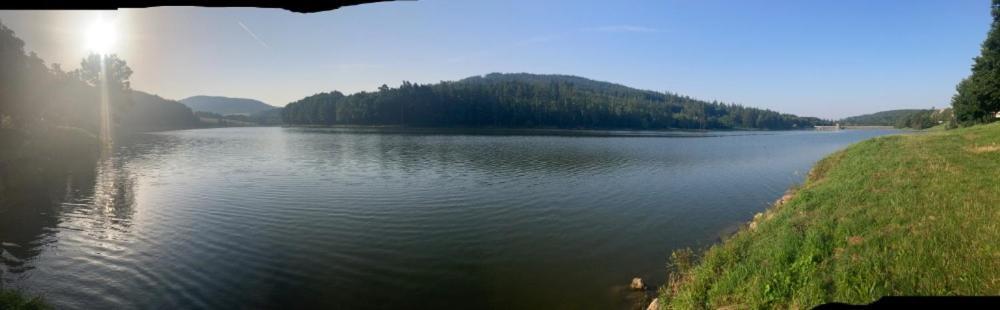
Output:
x=368 y=218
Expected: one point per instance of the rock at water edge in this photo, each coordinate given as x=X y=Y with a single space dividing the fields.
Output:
x=637 y=284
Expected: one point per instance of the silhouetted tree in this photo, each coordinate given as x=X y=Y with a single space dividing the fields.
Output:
x=111 y=72
x=34 y=96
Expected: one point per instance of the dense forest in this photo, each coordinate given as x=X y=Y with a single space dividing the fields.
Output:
x=904 y=118
x=923 y=119
x=524 y=100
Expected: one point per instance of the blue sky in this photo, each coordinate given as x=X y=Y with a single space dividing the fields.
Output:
x=819 y=58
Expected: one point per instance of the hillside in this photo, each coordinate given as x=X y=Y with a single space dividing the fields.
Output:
x=905 y=118
x=151 y=113
x=894 y=215
x=524 y=100
x=225 y=105
x=267 y=117
x=883 y=118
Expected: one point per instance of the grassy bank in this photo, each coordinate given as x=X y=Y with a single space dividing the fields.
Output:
x=896 y=215
x=16 y=301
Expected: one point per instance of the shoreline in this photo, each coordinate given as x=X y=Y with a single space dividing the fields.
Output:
x=540 y=128
x=841 y=229
x=637 y=133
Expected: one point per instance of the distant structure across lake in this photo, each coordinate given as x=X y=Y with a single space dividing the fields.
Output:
x=836 y=126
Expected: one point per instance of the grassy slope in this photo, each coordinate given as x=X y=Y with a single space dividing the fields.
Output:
x=895 y=215
x=15 y=301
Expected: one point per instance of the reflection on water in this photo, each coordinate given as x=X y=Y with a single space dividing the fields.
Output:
x=379 y=218
x=44 y=207
x=108 y=214
x=30 y=206
x=97 y=200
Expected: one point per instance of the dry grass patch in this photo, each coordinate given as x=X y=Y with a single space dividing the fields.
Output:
x=855 y=240
x=979 y=149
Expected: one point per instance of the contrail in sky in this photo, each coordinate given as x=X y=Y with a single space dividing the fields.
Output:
x=252 y=34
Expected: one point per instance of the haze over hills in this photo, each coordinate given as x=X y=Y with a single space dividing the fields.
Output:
x=882 y=118
x=903 y=118
x=226 y=105
x=151 y=113
x=523 y=100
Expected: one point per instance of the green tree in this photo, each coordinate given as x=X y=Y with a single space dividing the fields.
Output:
x=978 y=97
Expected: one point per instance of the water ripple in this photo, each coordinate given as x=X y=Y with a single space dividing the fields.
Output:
x=364 y=218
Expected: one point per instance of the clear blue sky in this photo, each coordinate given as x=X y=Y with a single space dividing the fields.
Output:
x=818 y=58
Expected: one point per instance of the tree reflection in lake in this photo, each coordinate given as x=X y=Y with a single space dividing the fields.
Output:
x=30 y=205
x=40 y=203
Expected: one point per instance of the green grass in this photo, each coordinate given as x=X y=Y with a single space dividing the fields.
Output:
x=915 y=214
x=939 y=127
x=12 y=300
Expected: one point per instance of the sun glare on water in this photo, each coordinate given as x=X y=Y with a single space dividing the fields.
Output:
x=101 y=36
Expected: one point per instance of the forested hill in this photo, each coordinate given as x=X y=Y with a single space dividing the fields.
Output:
x=907 y=118
x=883 y=118
x=530 y=100
x=150 y=112
x=225 y=105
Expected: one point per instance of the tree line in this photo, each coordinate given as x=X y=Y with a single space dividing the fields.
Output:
x=923 y=119
x=905 y=118
x=524 y=100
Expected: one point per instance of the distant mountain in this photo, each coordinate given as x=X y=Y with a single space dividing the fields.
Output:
x=226 y=105
x=884 y=118
x=523 y=100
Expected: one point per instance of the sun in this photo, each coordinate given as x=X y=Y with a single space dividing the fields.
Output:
x=101 y=37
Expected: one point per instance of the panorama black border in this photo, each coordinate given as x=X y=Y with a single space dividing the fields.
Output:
x=304 y=6
x=299 y=6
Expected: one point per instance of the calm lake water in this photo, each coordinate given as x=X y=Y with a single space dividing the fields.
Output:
x=389 y=218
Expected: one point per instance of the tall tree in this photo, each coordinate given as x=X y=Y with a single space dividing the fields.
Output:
x=978 y=97
x=111 y=73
